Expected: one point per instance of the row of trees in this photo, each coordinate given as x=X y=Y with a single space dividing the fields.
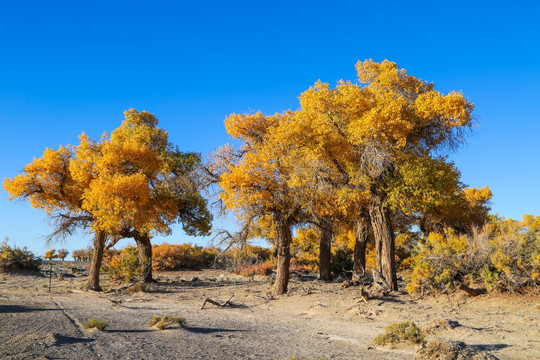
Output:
x=131 y=184
x=364 y=156
x=83 y=254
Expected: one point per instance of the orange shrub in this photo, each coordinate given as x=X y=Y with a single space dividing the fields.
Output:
x=257 y=269
x=187 y=256
x=244 y=256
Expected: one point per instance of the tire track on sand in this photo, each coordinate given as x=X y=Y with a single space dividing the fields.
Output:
x=79 y=328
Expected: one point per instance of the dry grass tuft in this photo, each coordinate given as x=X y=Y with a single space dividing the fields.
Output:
x=436 y=326
x=450 y=350
x=161 y=322
x=139 y=287
x=402 y=332
x=95 y=323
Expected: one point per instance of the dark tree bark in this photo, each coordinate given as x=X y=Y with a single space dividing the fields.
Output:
x=283 y=239
x=97 y=258
x=359 y=254
x=145 y=254
x=384 y=239
x=325 y=249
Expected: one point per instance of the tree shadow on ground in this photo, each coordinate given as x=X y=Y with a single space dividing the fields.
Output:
x=454 y=324
x=129 y=331
x=386 y=298
x=22 y=309
x=61 y=340
x=203 y=330
x=488 y=347
x=176 y=286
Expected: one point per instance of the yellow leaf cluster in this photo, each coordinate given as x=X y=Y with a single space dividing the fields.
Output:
x=47 y=182
x=131 y=163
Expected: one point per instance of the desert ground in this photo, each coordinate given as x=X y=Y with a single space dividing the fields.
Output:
x=315 y=320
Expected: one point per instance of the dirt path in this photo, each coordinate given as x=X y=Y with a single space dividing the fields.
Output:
x=315 y=321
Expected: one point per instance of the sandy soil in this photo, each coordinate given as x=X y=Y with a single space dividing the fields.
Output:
x=314 y=321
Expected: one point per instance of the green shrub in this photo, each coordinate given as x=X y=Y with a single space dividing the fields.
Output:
x=161 y=322
x=403 y=332
x=341 y=261
x=124 y=266
x=14 y=258
x=505 y=255
x=491 y=278
x=95 y=323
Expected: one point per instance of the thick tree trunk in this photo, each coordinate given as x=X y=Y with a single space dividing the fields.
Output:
x=283 y=237
x=145 y=255
x=97 y=258
x=325 y=250
x=359 y=254
x=384 y=239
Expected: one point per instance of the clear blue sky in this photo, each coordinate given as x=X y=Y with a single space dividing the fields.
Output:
x=70 y=66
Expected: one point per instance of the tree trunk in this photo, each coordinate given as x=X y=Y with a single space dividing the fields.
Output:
x=145 y=255
x=283 y=237
x=325 y=250
x=359 y=255
x=384 y=239
x=97 y=258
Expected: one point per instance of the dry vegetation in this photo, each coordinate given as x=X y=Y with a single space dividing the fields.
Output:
x=161 y=322
x=95 y=323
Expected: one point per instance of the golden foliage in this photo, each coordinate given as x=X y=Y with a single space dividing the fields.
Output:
x=130 y=180
x=47 y=183
x=516 y=250
x=183 y=256
x=131 y=164
x=505 y=255
x=51 y=254
x=305 y=248
x=438 y=260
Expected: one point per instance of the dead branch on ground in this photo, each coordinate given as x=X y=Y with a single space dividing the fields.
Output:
x=214 y=302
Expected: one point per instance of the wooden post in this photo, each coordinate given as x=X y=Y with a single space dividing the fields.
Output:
x=50 y=277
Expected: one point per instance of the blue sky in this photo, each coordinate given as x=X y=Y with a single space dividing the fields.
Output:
x=68 y=67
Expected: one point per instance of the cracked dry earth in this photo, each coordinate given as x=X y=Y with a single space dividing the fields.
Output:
x=314 y=321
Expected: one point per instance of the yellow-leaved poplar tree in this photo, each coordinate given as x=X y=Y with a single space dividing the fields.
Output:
x=132 y=183
x=387 y=115
x=253 y=180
